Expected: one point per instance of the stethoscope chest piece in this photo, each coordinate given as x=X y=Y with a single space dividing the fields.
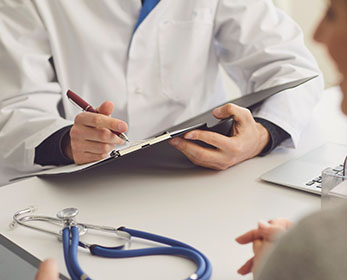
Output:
x=67 y=213
x=68 y=216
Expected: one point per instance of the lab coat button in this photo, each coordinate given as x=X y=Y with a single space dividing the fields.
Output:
x=138 y=91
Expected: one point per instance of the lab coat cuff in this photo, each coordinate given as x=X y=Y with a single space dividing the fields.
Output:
x=294 y=133
x=50 y=151
x=277 y=135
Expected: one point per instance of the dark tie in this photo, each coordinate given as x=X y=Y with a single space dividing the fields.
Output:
x=147 y=7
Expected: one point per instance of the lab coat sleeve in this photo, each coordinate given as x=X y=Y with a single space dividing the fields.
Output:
x=259 y=46
x=29 y=92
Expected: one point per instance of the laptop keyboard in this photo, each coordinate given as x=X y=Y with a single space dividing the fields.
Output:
x=317 y=182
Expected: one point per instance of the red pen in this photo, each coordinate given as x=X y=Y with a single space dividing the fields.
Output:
x=77 y=100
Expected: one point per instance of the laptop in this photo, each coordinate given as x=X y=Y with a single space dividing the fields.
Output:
x=304 y=173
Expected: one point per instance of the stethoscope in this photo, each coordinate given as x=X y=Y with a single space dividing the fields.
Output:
x=72 y=231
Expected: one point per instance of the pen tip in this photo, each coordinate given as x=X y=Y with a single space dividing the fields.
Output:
x=124 y=137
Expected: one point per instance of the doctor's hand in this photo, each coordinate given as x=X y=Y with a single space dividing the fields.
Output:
x=248 y=140
x=91 y=138
x=262 y=240
x=48 y=270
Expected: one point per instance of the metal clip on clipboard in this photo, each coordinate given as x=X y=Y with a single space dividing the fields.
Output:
x=154 y=140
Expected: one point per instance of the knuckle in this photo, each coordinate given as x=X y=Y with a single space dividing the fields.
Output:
x=119 y=141
x=229 y=108
x=212 y=138
x=196 y=134
x=103 y=135
x=102 y=156
x=97 y=120
x=79 y=159
x=247 y=111
x=96 y=157
x=73 y=146
x=182 y=145
x=104 y=149
x=200 y=135
x=247 y=114
x=115 y=124
x=79 y=118
x=74 y=132
x=76 y=148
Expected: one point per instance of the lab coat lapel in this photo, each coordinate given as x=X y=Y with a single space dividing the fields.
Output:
x=147 y=11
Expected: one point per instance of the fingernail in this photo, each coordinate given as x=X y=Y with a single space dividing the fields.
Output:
x=121 y=126
x=175 y=141
x=189 y=135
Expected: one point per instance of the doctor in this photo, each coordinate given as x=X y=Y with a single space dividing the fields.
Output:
x=158 y=64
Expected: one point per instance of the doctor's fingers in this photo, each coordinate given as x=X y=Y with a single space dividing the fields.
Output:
x=105 y=108
x=212 y=138
x=91 y=147
x=233 y=149
x=101 y=121
x=239 y=114
x=80 y=133
x=205 y=157
x=83 y=157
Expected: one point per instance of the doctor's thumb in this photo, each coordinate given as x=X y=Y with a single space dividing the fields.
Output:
x=106 y=108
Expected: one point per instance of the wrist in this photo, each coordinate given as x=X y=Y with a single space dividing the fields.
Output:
x=50 y=151
x=66 y=146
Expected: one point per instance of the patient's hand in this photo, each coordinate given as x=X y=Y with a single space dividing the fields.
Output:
x=248 y=140
x=262 y=239
x=48 y=270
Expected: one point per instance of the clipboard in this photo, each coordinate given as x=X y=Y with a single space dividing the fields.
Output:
x=204 y=121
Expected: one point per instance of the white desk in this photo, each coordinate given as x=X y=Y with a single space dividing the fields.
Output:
x=204 y=208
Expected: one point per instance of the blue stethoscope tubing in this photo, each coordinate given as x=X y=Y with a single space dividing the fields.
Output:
x=71 y=243
x=70 y=246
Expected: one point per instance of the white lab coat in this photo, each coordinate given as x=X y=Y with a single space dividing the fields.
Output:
x=163 y=74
